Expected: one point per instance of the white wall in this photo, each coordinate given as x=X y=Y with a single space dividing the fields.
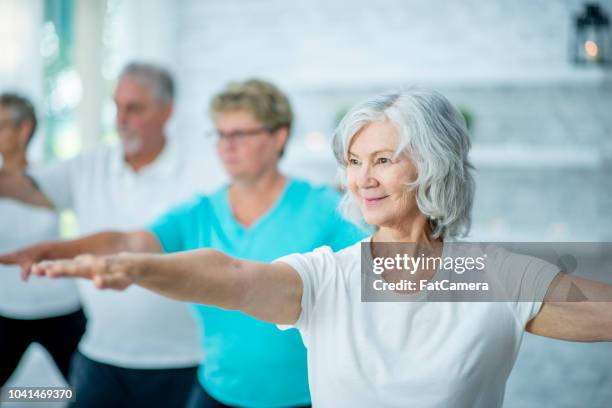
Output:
x=320 y=42
x=327 y=54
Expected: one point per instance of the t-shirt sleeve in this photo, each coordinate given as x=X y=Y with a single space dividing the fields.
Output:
x=170 y=228
x=55 y=181
x=315 y=269
x=525 y=280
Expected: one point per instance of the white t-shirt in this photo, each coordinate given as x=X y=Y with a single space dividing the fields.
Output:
x=22 y=225
x=408 y=354
x=135 y=328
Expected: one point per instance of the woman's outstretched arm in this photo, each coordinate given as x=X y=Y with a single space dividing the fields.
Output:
x=575 y=309
x=270 y=292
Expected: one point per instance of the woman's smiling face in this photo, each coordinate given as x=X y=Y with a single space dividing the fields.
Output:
x=378 y=179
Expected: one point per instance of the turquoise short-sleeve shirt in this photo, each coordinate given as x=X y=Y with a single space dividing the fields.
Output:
x=249 y=362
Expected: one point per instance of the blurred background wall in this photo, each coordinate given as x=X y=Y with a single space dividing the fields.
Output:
x=541 y=124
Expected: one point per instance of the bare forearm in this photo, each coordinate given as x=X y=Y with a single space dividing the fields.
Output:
x=103 y=243
x=584 y=321
x=202 y=276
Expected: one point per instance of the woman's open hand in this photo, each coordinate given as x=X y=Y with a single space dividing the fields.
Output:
x=114 y=272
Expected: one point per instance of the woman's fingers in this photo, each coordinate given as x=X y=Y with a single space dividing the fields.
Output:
x=98 y=269
x=16 y=258
x=9 y=258
x=26 y=269
x=25 y=258
x=81 y=267
x=53 y=269
x=114 y=281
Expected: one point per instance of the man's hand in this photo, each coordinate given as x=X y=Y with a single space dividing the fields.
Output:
x=114 y=272
x=25 y=258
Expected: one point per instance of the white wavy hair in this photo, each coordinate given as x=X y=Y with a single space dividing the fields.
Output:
x=433 y=133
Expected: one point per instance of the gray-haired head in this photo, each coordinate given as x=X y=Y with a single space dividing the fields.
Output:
x=434 y=135
x=21 y=110
x=156 y=78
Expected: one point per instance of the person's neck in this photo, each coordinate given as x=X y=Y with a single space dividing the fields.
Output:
x=414 y=235
x=15 y=163
x=412 y=229
x=264 y=185
x=250 y=199
x=146 y=156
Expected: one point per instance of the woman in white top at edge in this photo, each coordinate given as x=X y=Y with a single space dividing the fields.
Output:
x=404 y=156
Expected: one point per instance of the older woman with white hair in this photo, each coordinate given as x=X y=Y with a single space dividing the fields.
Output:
x=404 y=156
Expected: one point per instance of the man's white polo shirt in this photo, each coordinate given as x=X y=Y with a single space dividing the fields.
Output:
x=135 y=328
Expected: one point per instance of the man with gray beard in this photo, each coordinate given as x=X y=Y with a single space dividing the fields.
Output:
x=140 y=349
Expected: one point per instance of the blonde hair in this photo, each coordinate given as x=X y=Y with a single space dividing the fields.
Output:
x=263 y=99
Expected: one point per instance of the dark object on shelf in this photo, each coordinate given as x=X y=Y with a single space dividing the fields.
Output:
x=591 y=42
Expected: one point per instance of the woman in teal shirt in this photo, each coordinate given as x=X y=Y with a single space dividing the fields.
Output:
x=249 y=362
x=261 y=215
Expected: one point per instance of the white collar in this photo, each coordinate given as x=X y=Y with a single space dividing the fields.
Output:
x=164 y=165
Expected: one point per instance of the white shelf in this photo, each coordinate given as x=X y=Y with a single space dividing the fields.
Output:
x=544 y=76
x=537 y=157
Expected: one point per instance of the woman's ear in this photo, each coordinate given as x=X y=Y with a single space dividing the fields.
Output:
x=168 y=109
x=282 y=136
x=24 y=134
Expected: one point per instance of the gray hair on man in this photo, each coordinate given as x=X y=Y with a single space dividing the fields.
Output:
x=156 y=78
x=434 y=135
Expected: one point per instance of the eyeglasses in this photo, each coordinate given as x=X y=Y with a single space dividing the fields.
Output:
x=235 y=135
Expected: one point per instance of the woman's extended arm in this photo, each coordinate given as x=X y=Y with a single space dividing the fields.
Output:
x=575 y=309
x=270 y=292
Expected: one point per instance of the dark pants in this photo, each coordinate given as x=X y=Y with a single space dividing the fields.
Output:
x=102 y=385
x=199 y=398
x=59 y=335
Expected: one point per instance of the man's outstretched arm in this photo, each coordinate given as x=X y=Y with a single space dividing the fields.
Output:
x=108 y=242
